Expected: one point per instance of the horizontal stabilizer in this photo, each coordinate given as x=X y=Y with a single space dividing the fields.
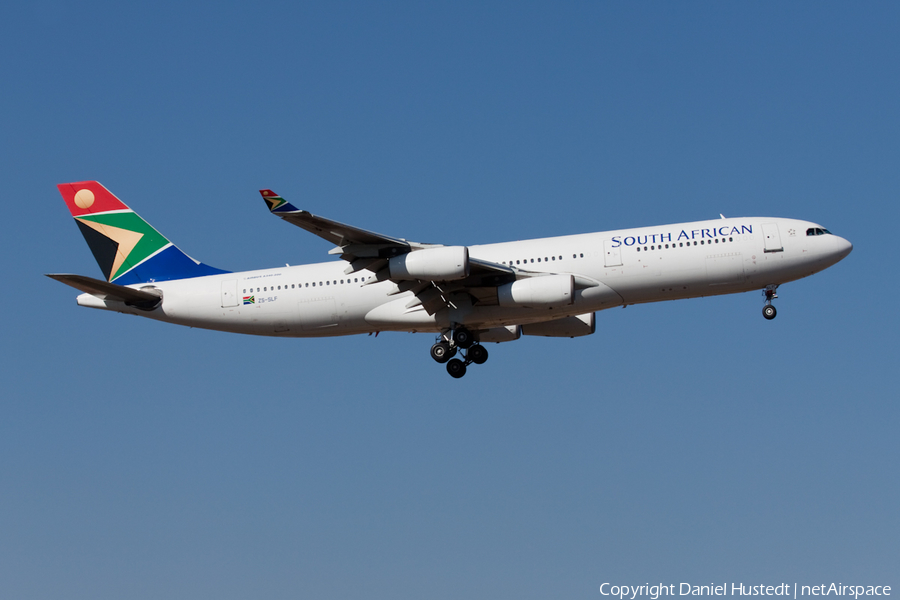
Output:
x=143 y=299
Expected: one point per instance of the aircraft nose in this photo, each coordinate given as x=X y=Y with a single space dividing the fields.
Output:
x=840 y=248
x=844 y=247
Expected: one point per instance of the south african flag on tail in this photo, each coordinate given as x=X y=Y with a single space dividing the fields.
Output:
x=125 y=246
x=276 y=203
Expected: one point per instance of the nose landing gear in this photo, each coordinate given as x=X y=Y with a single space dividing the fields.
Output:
x=769 y=311
x=448 y=345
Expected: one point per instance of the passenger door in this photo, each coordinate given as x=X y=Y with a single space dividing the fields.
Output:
x=772 y=237
x=612 y=256
x=229 y=294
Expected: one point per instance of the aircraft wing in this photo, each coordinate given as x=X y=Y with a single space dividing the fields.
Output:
x=337 y=233
x=372 y=251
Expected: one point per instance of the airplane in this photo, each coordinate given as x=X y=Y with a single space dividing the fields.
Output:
x=467 y=296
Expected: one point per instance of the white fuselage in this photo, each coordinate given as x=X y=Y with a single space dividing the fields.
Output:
x=629 y=266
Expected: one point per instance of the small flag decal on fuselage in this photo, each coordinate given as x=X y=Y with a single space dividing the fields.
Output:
x=249 y=300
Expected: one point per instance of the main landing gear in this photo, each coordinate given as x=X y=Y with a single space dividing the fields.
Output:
x=449 y=345
x=769 y=311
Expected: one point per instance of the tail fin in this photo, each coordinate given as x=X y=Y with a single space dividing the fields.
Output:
x=126 y=247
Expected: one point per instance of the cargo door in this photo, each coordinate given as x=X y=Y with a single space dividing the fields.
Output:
x=725 y=269
x=229 y=294
x=772 y=237
x=318 y=313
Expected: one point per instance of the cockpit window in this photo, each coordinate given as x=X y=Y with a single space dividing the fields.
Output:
x=817 y=231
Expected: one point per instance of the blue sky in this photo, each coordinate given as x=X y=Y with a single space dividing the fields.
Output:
x=688 y=441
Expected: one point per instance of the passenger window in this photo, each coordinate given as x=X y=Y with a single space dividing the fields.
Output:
x=539 y=260
x=581 y=255
x=638 y=249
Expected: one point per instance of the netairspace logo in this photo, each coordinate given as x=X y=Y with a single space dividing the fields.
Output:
x=654 y=592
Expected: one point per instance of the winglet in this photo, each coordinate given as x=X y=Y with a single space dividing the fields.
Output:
x=276 y=203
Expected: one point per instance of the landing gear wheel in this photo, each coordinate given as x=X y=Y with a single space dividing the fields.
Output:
x=478 y=354
x=769 y=312
x=463 y=338
x=456 y=368
x=441 y=352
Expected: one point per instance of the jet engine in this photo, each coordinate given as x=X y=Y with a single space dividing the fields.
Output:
x=538 y=292
x=447 y=263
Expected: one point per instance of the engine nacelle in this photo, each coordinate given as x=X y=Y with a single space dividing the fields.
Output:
x=549 y=291
x=500 y=334
x=570 y=327
x=447 y=263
